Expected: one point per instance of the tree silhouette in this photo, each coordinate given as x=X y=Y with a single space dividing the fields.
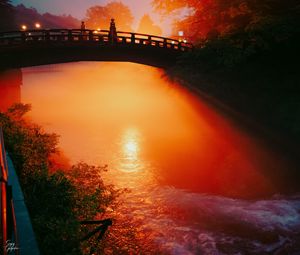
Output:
x=147 y=26
x=224 y=17
x=100 y=16
x=6 y=15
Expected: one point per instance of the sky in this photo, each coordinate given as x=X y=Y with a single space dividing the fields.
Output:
x=77 y=8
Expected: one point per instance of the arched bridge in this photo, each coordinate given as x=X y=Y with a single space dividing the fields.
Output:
x=39 y=47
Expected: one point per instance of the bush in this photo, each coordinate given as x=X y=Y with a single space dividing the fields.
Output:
x=56 y=201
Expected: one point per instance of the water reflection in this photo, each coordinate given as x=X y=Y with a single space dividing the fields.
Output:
x=168 y=147
x=130 y=117
x=10 y=88
x=130 y=161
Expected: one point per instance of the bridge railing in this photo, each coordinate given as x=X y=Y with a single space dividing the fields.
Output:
x=92 y=36
x=8 y=219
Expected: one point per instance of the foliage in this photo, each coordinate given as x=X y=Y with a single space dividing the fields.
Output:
x=213 y=18
x=28 y=16
x=6 y=15
x=89 y=183
x=257 y=78
x=245 y=56
x=57 y=201
x=100 y=16
x=146 y=26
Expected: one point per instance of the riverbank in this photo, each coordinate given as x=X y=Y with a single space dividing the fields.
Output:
x=57 y=199
x=260 y=92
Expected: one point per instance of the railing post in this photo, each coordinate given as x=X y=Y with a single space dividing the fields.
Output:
x=165 y=43
x=180 y=46
x=47 y=35
x=3 y=193
x=3 y=216
x=70 y=36
x=23 y=36
x=90 y=35
x=149 y=39
x=132 y=38
x=113 y=36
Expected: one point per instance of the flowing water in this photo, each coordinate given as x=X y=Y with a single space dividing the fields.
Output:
x=194 y=175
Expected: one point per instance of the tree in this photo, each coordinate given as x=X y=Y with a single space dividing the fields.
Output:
x=227 y=17
x=100 y=16
x=147 y=26
x=29 y=16
x=6 y=15
x=207 y=16
x=56 y=201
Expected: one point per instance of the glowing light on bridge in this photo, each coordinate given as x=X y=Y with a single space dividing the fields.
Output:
x=97 y=30
x=37 y=25
x=23 y=27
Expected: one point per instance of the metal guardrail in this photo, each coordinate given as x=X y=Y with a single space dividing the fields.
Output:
x=88 y=35
x=8 y=219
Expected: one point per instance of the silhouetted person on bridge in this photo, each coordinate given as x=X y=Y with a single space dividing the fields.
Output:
x=113 y=37
x=82 y=26
x=83 y=31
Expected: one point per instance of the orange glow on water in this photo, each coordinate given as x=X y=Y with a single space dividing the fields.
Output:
x=10 y=88
x=174 y=151
x=130 y=147
x=143 y=126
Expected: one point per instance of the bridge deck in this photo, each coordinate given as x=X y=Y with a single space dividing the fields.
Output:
x=37 y=47
x=87 y=35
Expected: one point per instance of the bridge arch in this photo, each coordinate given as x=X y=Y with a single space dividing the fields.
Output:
x=51 y=46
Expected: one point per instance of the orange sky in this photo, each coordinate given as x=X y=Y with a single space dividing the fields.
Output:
x=77 y=8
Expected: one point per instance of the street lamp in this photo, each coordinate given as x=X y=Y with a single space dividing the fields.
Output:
x=24 y=27
x=37 y=25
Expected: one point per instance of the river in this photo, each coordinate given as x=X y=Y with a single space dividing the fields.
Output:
x=199 y=182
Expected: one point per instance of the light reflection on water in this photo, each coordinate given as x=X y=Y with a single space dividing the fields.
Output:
x=130 y=161
x=168 y=148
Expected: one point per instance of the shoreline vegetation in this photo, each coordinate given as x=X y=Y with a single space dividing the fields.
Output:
x=252 y=68
x=260 y=92
x=263 y=88
x=57 y=199
x=246 y=56
x=58 y=196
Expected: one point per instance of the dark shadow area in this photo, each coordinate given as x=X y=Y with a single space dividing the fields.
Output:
x=10 y=88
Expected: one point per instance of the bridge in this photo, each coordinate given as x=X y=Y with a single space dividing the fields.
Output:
x=51 y=46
